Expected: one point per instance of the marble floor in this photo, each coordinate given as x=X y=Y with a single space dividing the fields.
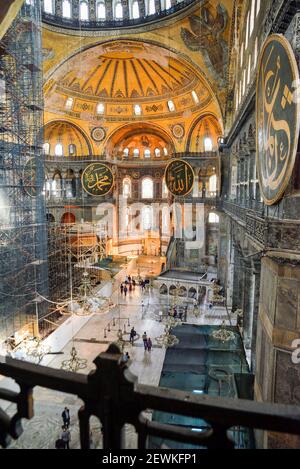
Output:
x=139 y=309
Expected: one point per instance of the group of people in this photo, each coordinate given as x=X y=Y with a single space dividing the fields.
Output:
x=64 y=441
x=146 y=340
x=130 y=283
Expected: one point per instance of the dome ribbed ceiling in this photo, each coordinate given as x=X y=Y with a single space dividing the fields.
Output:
x=121 y=75
x=126 y=71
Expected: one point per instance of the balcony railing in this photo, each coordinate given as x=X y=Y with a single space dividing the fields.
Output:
x=112 y=394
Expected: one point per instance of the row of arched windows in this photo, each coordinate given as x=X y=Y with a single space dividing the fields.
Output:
x=147 y=188
x=146 y=153
x=251 y=61
x=59 y=149
x=118 y=13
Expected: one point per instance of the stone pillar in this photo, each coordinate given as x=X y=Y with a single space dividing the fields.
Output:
x=126 y=13
x=157 y=6
x=78 y=187
x=142 y=8
x=75 y=9
x=109 y=10
x=58 y=8
x=277 y=377
x=92 y=10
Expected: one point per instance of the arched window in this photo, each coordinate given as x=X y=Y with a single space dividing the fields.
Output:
x=72 y=149
x=69 y=104
x=48 y=7
x=252 y=16
x=249 y=70
x=157 y=152
x=84 y=11
x=118 y=11
x=137 y=110
x=255 y=53
x=151 y=7
x=213 y=218
x=171 y=106
x=101 y=11
x=66 y=9
x=247 y=31
x=135 y=9
x=165 y=151
x=46 y=148
x=165 y=220
x=126 y=152
x=100 y=108
x=242 y=54
x=165 y=4
x=244 y=81
x=257 y=7
x=58 y=149
x=126 y=187
x=213 y=183
x=136 y=152
x=195 y=97
x=165 y=191
x=208 y=145
x=147 y=188
x=127 y=217
x=147 y=153
x=147 y=218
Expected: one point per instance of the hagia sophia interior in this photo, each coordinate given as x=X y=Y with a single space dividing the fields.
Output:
x=150 y=181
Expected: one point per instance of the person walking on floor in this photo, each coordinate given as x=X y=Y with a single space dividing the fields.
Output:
x=66 y=437
x=122 y=288
x=125 y=290
x=132 y=336
x=66 y=417
x=144 y=337
x=149 y=344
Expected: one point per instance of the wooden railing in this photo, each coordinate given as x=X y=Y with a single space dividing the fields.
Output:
x=112 y=394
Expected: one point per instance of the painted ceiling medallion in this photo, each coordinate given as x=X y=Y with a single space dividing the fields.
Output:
x=98 y=134
x=277 y=118
x=97 y=179
x=178 y=130
x=179 y=177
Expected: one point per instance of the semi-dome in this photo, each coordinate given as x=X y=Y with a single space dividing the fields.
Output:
x=129 y=79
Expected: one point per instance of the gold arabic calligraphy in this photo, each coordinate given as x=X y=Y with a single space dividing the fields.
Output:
x=97 y=179
x=179 y=178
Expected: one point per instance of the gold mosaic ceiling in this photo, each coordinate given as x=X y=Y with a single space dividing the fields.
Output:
x=124 y=72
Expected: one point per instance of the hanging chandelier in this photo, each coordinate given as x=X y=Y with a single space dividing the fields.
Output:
x=166 y=339
x=223 y=334
x=74 y=363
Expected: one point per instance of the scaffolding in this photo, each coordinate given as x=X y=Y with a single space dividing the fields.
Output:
x=23 y=230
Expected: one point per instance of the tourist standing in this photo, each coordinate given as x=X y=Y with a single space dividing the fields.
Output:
x=66 y=437
x=149 y=344
x=144 y=337
x=125 y=291
x=122 y=288
x=132 y=336
x=66 y=417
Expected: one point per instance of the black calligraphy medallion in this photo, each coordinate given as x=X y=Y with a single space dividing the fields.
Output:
x=97 y=179
x=179 y=177
x=277 y=117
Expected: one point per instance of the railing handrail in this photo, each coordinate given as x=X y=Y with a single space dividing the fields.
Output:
x=111 y=393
